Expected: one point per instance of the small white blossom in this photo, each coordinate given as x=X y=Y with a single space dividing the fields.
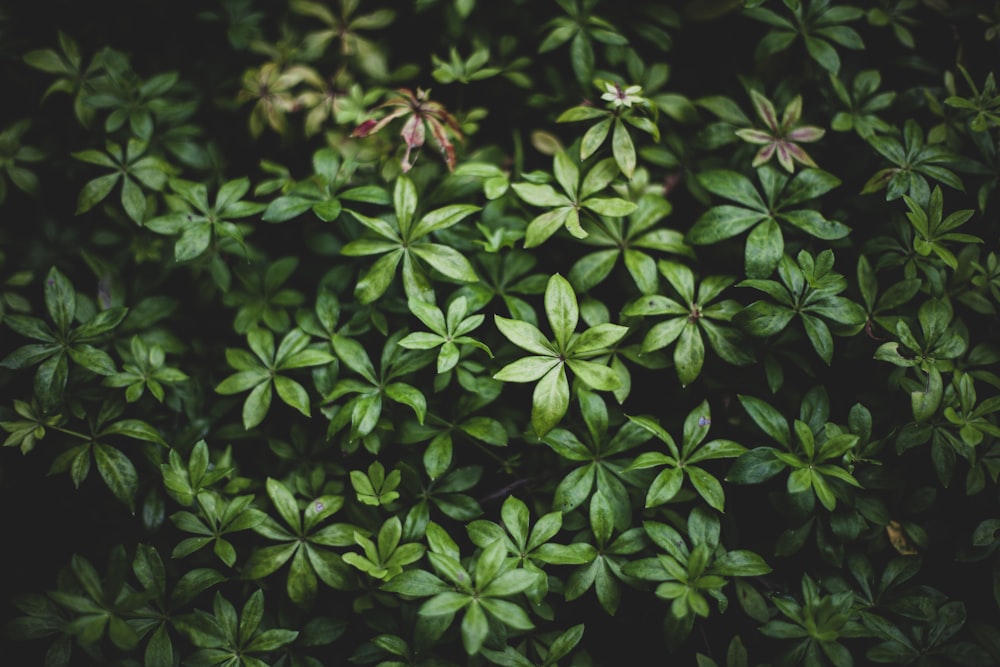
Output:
x=622 y=97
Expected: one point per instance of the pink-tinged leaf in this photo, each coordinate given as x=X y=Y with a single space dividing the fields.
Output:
x=800 y=155
x=405 y=162
x=763 y=155
x=364 y=129
x=755 y=136
x=441 y=139
x=406 y=100
x=419 y=112
x=378 y=125
x=450 y=121
x=792 y=113
x=784 y=156
x=808 y=133
x=765 y=110
x=413 y=134
x=879 y=180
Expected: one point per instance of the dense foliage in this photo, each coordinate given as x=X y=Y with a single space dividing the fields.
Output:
x=454 y=332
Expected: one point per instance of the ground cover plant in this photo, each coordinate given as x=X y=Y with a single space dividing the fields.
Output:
x=447 y=332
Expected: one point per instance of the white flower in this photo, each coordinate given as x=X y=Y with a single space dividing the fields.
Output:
x=622 y=97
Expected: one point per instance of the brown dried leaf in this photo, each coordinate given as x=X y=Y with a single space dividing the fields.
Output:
x=898 y=539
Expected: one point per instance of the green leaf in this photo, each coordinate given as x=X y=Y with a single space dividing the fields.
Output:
x=755 y=466
x=823 y=53
x=353 y=354
x=92 y=359
x=681 y=278
x=764 y=248
x=409 y=395
x=376 y=279
x=582 y=58
x=623 y=149
x=925 y=402
x=510 y=583
x=301 y=584
x=663 y=334
x=95 y=191
x=598 y=178
x=286 y=208
x=540 y=195
x=133 y=201
x=562 y=309
x=193 y=242
x=819 y=335
x=60 y=299
x=664 y=487
x=379 y=226
x=728 y=343
x=722 y=222
x=256 y=405
x=242 y=381
x=101 y=323
x=580 y=113
x=574 y=489
x=708 y=487
x=417 y=583
x=485 y=429
x=740 y=563
x=612 y=207
x=50 y=379
x=567 y=174
x=541 y=228
x=271 y=640
x=653 y=427
x=447 y=260
x=593 y=268
x=651 y=460
x=807 y=185
x=565 y=643
x=528 y=369
x=442 y=218
x=28 y=355
x=689 y=355
x=642 y=269
x=159 y=649
x=509 y=613
x=814 y=224
x=545 y=529
x=601 y=518
x=31 y=327
x=600 y=337
x=329 y=566
x=525 y=335
x=118 y=473
x=768 y=419
x=595 y=375
x=404 y=198
x=135 y=429
x=733 y=186
x=292 y=393
x=763 y=319
x=49 y=61
x=475 y=627
x=285 y=503
x=549 y=401
x=593 y=137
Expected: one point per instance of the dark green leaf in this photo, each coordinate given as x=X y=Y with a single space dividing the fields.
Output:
x=118 y=473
